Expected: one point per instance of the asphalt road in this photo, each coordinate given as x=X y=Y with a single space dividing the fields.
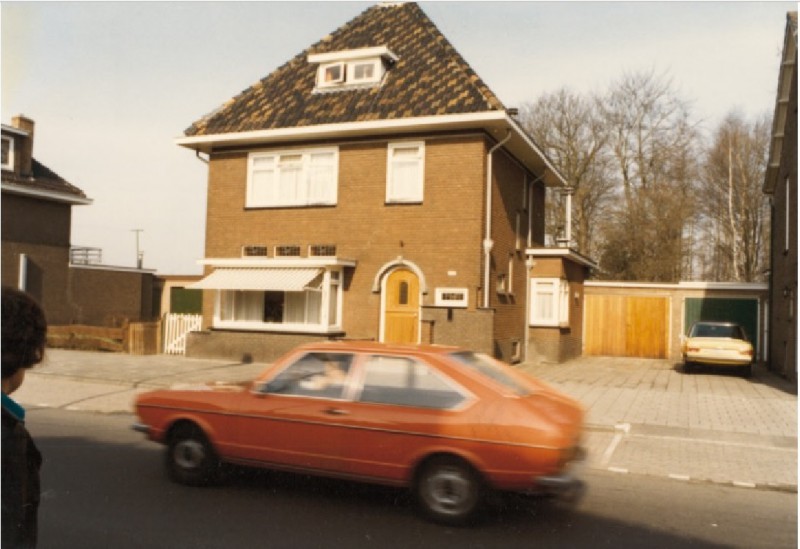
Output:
x=105 y=486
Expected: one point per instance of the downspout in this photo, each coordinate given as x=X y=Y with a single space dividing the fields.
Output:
x=487 y=240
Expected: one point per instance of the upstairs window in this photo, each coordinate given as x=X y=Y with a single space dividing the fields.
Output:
x=292 y=178
x=405 y=172
x=331 y=74
x=7 y=153
x=351 y=68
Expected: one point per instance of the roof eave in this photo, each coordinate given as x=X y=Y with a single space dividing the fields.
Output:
x=495 y=123
x=46 y=195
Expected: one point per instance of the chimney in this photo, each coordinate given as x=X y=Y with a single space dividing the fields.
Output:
x=25 y=150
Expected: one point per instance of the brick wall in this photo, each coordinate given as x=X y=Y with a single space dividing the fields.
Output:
x=442 y=236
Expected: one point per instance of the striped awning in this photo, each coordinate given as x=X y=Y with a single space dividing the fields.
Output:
x=260 y=279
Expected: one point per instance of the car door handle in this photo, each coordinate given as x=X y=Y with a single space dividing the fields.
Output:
x=336 y=412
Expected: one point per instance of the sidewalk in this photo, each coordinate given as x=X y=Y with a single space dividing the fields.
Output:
x=643 y=416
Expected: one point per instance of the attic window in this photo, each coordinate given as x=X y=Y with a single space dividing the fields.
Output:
x=351 y=68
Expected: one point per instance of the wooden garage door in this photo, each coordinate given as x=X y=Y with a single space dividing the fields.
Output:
x=626 y=326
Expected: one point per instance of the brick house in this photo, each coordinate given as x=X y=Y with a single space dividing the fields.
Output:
x=374 y=187
x=781 y=184
x=36 y=222
x=36 y=252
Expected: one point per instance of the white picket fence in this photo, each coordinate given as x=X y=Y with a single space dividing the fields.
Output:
x=175 y=329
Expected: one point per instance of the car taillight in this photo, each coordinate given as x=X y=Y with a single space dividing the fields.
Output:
x=693 y=349
x=746 y=352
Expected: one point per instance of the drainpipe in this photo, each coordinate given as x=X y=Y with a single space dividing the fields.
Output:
x=488 y=244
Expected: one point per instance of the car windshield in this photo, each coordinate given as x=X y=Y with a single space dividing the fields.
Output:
x=731 y=331
x=491 y=369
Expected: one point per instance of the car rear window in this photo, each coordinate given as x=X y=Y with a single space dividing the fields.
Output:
x=487 y=367
x=717 y=330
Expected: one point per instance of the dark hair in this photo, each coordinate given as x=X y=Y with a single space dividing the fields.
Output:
x=24 y=331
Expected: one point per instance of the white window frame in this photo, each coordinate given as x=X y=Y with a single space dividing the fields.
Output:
x=323 y=69
x=10 y=164
x=558 y=302
x=411 y=193
x=329 y=313
x=309 y=191
x=377 y=71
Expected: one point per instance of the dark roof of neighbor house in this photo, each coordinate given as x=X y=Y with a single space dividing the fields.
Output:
x=430 y=78
x=43 y=180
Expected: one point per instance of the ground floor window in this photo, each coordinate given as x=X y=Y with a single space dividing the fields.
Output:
x=549 y=302
x=317 y=308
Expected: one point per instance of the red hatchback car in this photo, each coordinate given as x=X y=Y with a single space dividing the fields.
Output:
x=445 y=422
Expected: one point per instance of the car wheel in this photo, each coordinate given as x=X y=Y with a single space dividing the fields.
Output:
x=449 y=491
x=747 y=371
x=191 y=459
x=688 y=367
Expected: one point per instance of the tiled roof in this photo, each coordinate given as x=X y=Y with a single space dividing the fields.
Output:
x=430 y=78
x=43 y=179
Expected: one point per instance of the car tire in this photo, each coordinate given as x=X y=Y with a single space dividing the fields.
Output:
x=688 y=367
x=449 y=491
x=747 y=371
x=191 y=460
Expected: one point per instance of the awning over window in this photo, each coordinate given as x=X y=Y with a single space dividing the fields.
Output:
x=259 y=279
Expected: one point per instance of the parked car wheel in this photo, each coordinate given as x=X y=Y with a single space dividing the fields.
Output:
x=191 y=459
x=449 y=491
x=747 y=371
x=688 y=367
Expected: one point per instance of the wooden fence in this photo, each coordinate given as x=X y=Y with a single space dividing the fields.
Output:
x=136 y=338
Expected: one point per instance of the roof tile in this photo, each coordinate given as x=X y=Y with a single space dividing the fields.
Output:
x=430 y=78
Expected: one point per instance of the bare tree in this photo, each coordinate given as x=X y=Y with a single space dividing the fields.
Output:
x=652 y=141
x=734 y=208
x=567 y=127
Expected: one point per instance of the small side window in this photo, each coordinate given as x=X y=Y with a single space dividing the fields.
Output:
x=403 y=381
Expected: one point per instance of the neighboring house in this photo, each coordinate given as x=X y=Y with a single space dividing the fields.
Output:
x=374 y=187
x=781 y=184
x=36 y=252
x=36 y=223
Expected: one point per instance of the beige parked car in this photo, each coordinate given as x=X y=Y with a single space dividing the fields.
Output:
x=717 y=344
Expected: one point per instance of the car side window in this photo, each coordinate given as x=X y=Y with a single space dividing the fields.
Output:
x=316 y=374
x=404 y=381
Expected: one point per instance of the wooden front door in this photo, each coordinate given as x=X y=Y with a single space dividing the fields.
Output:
x=401 y=306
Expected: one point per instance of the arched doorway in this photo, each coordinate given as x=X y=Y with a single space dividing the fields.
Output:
x=401 y=307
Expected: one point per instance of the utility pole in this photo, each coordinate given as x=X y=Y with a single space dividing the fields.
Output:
x=139 y=253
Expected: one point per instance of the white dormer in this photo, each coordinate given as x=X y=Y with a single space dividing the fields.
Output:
x=352 y=68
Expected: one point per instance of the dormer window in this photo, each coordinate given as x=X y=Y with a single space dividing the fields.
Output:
x=351 y=68
x=332 y=75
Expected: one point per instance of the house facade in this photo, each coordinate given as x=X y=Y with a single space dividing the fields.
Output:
x=36 y=222
x=781 y=184
x=373 y=187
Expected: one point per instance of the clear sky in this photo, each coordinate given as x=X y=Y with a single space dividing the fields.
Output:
x=110 y=85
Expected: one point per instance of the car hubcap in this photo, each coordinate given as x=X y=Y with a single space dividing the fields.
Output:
x=189 y=454
x=448 y=490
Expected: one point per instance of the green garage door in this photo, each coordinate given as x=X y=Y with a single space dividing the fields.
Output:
x=741 y=311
